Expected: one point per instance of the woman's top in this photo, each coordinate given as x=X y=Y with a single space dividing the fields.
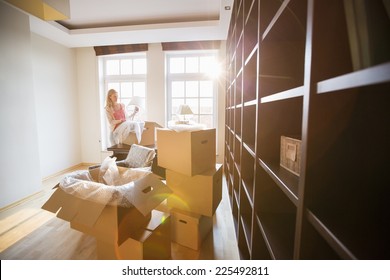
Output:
x=116 y=117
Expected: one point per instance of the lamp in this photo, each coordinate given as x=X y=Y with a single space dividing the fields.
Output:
x=184 y=110
x=136 y=101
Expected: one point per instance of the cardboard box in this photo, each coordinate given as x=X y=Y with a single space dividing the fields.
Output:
x=199 y=194
x=186 y=152
x=110 y=224
x=148 y=137
x=290 y=154
x=190 y=229
x=152 y=242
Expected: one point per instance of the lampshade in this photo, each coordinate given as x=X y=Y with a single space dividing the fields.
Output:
x=136 y=101
x=184 y=110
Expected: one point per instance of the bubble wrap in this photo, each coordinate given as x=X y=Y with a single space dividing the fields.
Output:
x=81 y=184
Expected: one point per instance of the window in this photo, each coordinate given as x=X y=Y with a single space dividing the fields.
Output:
x=191 y=80
x=126 y=73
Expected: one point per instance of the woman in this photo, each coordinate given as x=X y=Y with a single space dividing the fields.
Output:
x=116 y=112
x=117 y=117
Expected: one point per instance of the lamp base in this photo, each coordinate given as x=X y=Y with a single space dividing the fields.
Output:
x=183 y=122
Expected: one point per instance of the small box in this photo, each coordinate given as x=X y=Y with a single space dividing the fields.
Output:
x=190 y=229
x=148 y=137
x=186 y=152
x=199 y=194
x=290 y=154
x=152 y=242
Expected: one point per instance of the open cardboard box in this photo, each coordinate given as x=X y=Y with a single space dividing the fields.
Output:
x=109 y=223
x=148 y=137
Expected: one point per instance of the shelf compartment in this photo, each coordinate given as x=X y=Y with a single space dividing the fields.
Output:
x=251 y=27
x=282 y=51
x=317 y=246
x=349 y=136
x=285 y=180
x=243 y=244
x=268 y=10
x=238 y=90
x=249 y=126
x=260 y=246
x=237 y=121
x=250 y=81
x=236 y=180
x=239 y=58
x=235 y=213
x=288 y=23
x=343 y=57
x=246 y=209
x=317 y=228
x=277 y=215
x=276 y=119
x=247 y=172
x=237 y=151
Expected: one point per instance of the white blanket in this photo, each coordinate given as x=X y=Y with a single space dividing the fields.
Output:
x=127 y=127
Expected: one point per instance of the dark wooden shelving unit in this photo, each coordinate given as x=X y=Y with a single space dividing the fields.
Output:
x=298 y=68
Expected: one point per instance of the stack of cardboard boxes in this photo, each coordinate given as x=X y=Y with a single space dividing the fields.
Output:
x=195 y=179
x=135 y=233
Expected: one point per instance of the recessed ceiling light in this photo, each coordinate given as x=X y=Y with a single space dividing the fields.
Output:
x=227 y=8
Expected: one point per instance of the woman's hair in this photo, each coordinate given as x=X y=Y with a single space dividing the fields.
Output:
x=108 y=98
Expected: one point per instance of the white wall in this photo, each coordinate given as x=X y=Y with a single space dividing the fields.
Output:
x=88 y=98
x=39 y=119
x=156 y=84
x=20 y=172
x=57 y=105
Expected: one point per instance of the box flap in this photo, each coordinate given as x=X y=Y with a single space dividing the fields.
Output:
x=148 y=192
x=70 y=207
x=157 y=219
x=55 y=202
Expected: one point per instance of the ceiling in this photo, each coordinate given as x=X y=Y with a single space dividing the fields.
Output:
x=109 y=22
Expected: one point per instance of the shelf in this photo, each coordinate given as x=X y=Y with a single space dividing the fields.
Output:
x=242 y=243
x=279 y=230
x=276 y=119
x=247 y=172
x=370 y=76
x=332 y=240
x=245 y=212
x=249 y=126
x=285 y=180
x=251 y=28
x=289 y=22
x=316 y=243
x=284 y=58
x=275 y=18
x=291 y=93
x=250 y=82
x=277 y=215
x=266 y=252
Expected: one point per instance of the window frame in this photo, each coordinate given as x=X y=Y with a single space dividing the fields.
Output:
x=198 y=76
x=106 y=79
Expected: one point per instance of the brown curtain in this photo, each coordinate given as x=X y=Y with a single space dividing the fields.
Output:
x=103 y=50
x=196 y=45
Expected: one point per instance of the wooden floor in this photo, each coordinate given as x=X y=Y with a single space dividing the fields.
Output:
x=29 y=233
